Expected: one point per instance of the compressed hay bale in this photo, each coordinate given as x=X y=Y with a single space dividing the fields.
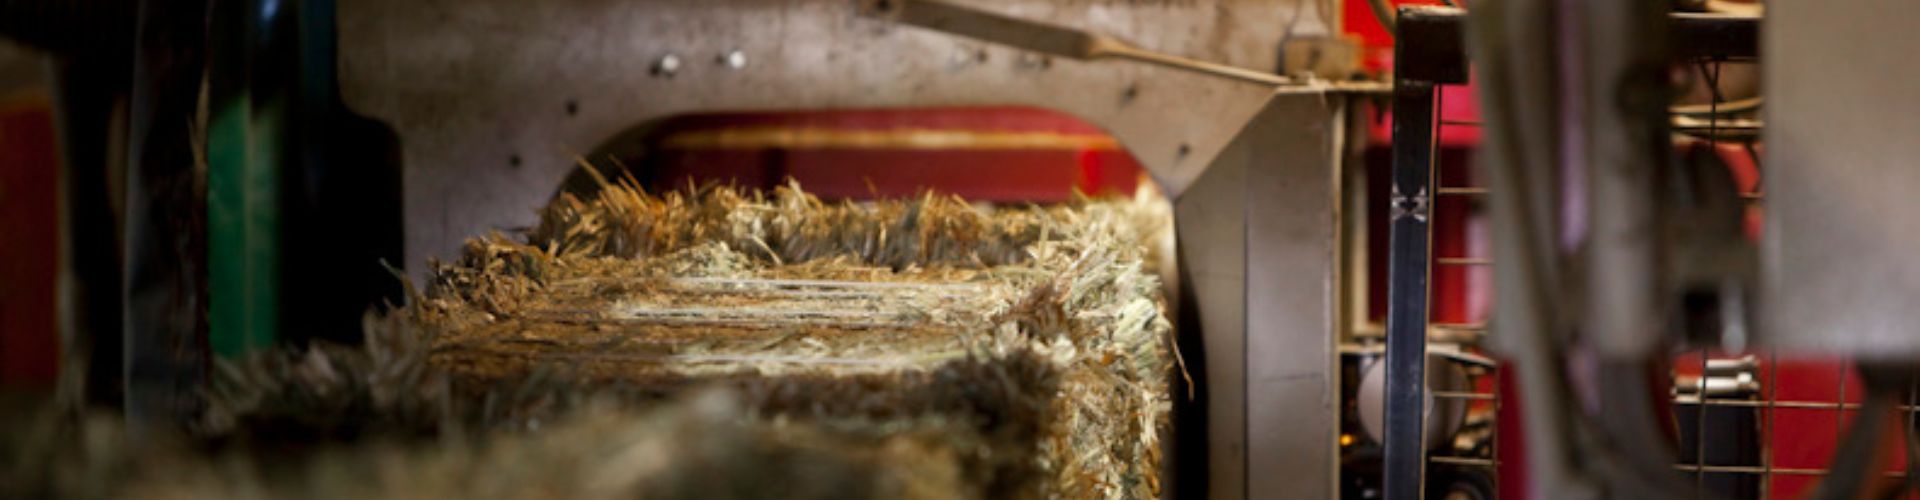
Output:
x=1036 y=332
x=921 y=348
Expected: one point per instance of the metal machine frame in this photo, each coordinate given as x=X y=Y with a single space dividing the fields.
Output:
x=1254 y=169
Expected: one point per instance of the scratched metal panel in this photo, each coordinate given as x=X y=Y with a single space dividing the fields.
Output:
x=1210 y=222
x=478 y=90
x=1258 y=235
x=1292 y=252
x=470 y=86
x=1840 y=266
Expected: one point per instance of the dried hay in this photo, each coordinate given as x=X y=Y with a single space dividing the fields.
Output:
x=824 y=311
x=714 y=343
x=699 y=447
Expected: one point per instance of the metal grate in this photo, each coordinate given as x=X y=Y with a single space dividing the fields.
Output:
x=1423 y=75
x=1767 y=401
x=1473 y=195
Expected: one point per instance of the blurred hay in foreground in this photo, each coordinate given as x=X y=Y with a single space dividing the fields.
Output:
x=717 y=343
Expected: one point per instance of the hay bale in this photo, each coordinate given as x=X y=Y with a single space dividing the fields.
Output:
x=1037 y=331
x=706 y=343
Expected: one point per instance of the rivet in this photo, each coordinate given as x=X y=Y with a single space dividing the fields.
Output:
x=734 y=59
x=667 y=65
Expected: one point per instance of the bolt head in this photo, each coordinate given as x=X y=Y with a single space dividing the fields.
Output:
x=667 y=65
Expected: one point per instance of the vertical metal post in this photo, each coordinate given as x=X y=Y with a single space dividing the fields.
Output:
x=1428 y=51
x=1407 y=289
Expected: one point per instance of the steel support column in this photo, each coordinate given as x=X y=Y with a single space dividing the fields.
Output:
x=1428 y=52
x=1407 y=273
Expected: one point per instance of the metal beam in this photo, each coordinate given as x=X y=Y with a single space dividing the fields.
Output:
x=1407 y=271
x=1435 y=51
x=1259 y=249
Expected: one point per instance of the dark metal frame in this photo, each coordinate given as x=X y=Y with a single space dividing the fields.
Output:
x=1429 y=51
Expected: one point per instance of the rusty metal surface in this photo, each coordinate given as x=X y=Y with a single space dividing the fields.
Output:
x=479 y=90
x=1839 y=272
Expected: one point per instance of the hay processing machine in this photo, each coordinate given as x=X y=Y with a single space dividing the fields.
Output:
x=237 y=175
x=1252 y=165
x=408 y=127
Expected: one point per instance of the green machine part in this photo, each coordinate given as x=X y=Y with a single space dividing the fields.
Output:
x=243 y=227
x=244 y=135
x=303 y=196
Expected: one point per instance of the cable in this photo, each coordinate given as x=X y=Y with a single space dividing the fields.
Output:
x=1853 y=470
x=1853 y=460
x=1383 y=12
x=1717 y=103
x=1724 y=108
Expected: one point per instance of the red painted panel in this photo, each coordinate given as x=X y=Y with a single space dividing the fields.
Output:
x=986 y=171
x=1457 y=109
x=29 y=243
x=1000 y=175
x=1007 y=118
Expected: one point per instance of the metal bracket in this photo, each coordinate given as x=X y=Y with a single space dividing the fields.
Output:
x=1415 y=206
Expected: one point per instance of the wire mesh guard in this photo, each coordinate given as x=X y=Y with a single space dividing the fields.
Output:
x=1748 y=424
x=1460 y=287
